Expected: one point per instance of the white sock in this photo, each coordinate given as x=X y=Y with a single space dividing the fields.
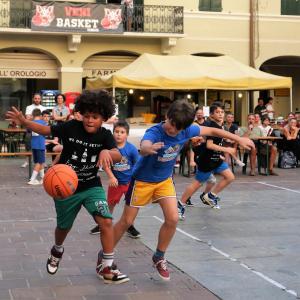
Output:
x=34 y=175
x=107 y=259
x=42 y=173
x=59 y=248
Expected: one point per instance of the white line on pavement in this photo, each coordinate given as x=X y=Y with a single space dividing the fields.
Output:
x=268 y=279
x=279 y=187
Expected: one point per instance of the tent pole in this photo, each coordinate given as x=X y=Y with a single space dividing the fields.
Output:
x=247 y=103
x=114 y=93
x=205 y=97
x=291 y=99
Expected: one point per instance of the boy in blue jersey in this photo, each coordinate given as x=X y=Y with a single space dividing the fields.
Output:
x=120 y=173
x=38 y=150
x=152 y=175
x=209 y=157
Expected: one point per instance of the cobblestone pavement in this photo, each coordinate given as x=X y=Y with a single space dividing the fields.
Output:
x=27 y=222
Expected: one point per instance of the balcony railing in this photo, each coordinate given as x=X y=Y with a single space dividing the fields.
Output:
x=145 y=18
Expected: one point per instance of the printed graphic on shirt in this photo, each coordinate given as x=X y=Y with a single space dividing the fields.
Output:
x=123 y=165
x=169 y=154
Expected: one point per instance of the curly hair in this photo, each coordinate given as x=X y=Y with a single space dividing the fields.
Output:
x=181 y=114
x=97 y=101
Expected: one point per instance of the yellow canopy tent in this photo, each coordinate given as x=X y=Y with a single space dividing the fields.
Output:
x=188 y=72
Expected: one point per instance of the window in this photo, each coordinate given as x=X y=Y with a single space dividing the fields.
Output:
x=290 y=7
x=210 y=5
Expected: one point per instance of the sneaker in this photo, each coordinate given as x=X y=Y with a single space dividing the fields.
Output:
x=162 y=268
x=239 y=163
x=133 y=233
x=111 y=275
x=211 y=200
x=202 y=199
x=33 y=182
x=181 y=210
x=53 y=261
x=24 y=165
x=95 y=230
x=189 y=202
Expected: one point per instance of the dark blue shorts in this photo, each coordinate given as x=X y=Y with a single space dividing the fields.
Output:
x=38 y=156
x=203 y=176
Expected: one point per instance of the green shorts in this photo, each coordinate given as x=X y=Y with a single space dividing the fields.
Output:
x=92 y=199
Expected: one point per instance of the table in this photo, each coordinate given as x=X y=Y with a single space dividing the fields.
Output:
x=260 y=139
x=11 y=138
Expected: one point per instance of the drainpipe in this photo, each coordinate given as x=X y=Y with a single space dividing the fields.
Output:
x=251 y=34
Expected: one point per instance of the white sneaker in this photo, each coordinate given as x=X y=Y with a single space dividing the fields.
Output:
x=239 y=163
x=41 y=181
x=25 y=164
x=33 y=182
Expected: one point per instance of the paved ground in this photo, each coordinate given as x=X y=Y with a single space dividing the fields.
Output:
x=27 y=220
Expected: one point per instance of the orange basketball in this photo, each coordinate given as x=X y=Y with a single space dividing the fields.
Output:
x=60 y=181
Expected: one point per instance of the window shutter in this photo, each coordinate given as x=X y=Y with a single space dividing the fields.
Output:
x=290 y=7
x=210 y=5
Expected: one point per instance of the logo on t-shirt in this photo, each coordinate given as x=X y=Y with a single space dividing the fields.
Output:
x=123 y=165
x=169 y=154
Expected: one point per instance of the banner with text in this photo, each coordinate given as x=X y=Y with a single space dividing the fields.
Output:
x=73 y=17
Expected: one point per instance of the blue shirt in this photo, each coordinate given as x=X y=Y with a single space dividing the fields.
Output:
x=159 y=167
x=123 y=169
x=37 y=140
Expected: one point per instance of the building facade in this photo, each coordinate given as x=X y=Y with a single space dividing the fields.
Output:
x=261 y=33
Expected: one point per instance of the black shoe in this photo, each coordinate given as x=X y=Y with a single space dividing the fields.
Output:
x=189 y=202
x=53 y=260
x=133 y=233
x=95 y=230
x=202 y=199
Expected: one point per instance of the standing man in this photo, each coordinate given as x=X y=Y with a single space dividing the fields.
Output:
x=36 y=103
x=270 y=109
x=260 y=108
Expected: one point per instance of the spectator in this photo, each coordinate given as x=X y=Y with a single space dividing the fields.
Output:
x=258 y=119
x=60 y=112
x=252 y=132
x=270 y=109
x=37 y=99
x=199 y=116
x=267 y=130
x=260 y=108
x=291 y=138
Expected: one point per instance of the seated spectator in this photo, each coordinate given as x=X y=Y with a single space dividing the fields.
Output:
x=257 y=120
x=267 y=130
x=291 y=138
x=232 y=128
x=252 y=132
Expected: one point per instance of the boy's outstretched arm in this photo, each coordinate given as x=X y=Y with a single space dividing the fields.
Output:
x=149 y=148
x=210 y=145
x=15 y=115
x=108 y=157
x=243 y=141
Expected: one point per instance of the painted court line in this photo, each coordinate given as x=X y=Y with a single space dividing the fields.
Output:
x=279 y=187
x=261 y=275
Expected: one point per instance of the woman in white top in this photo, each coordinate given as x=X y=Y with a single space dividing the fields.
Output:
x=60 y=112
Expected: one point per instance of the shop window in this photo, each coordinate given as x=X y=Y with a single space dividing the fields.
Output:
x=210 y=5
x=290 y=7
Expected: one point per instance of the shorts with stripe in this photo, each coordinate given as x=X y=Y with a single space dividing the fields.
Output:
x=141 y=193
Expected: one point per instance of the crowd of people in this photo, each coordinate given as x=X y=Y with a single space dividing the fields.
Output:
x=145 y=177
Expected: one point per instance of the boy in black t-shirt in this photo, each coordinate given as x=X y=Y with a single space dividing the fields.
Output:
x=209 y=159
x=86 y=146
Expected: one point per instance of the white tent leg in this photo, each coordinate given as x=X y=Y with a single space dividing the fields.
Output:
x=114 y=93
x=291 y=99
x=205 y=97
x=247 y=103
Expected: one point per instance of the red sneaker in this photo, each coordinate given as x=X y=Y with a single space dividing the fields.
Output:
x=112 y=275
x=162 y=268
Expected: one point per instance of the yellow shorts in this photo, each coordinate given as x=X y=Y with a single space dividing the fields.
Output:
x=141 y=193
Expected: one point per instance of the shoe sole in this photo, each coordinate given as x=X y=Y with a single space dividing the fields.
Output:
x=207 y=202
x=106 y=281
x=94 y=233
x=134 y=236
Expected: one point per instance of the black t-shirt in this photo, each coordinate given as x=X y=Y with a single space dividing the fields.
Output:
x=81 y=150
x=261 y=110
x=207 y=159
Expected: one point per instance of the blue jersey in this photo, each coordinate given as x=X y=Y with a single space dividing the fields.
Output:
x=123 y=169
x=37 y=140
x=158 y=167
